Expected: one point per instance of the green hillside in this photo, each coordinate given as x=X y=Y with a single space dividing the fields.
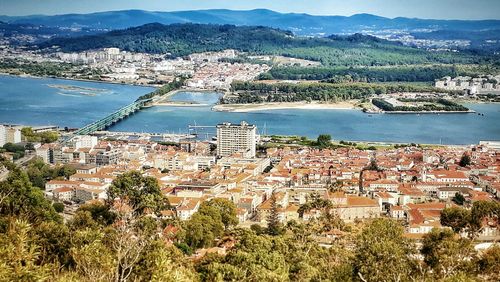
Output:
x=183 y=39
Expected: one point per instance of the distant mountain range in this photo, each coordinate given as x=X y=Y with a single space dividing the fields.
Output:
x=300 y=24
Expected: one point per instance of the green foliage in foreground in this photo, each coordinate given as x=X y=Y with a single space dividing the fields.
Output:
x=103 y=242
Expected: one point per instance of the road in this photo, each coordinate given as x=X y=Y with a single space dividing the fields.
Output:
x=25 y=159
x=22 y=161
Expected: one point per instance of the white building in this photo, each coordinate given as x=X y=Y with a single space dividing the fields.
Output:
x=84 y=141
x=3 y=135
x=9 y=135
x=236 y=138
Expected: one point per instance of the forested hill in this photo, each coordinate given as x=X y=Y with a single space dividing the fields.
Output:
x=184 y=39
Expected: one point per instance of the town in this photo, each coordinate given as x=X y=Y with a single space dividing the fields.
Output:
x=412 y=184
x=206 y=71
x=250 y=141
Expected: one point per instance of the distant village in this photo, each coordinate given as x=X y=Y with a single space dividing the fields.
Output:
x=483 y=85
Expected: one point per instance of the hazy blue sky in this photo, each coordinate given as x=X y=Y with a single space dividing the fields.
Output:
x=437 y=9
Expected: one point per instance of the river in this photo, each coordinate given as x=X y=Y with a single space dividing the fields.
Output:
x=38 y=102
x=49 y=101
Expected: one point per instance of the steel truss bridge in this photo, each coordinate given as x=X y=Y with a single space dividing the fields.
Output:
x=113 y=118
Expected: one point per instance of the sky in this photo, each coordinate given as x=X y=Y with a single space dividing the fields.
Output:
x=429 y=9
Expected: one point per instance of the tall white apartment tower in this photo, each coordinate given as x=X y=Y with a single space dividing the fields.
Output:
x=9 y=134
x=236 y=138
x=3 y=135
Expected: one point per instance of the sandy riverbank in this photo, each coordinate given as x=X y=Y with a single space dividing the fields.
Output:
x=179 y=104
x=242 y=108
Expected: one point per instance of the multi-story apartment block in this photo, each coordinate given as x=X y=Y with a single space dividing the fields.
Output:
x=3 y=135
x=9 y=135
x=236 y=138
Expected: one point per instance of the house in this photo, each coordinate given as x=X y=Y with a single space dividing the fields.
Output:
x=397 y=212
x=358 y=208
x=206 y=187
x=87 y=194
x=422 y=218
x=386 y=199
x=242 y=214
x=445 y=193
x=187 y=208
x=448 y=176
x=53 y=184
x=387 y=184
x=63 y=193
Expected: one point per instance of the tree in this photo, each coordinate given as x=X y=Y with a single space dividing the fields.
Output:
x=257 y=258
x=43 y=137
x=93 y=259
x=19 y=255
x=19 y=198
x=274 y=226
x=161 y=262
x=99 y=212
x=459 y=199
x=203 y=229
x=324 y=141
x=446 y=253
x=225 y=208
x=40 y=172
x=82 y=220
x=54 y=242
x=465 y=160
x=456 y=218
x=481 y=210
x=488 y=263
x=316 y=203
x=17 y=150
x=139 y=192
x=373 y=165
x=382 y=253
x=58 y=207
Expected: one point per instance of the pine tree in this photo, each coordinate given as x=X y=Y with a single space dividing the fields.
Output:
x=465 y=160
x=273 y=222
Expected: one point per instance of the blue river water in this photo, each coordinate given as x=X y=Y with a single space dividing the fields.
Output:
x=48 y=101
x=32 y=101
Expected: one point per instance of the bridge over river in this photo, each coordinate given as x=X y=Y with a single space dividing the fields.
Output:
x=114 y=117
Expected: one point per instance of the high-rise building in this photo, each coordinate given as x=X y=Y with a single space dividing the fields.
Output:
x=9 y=134
x=13 y=135
x=3 y=135
x=236 y=138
